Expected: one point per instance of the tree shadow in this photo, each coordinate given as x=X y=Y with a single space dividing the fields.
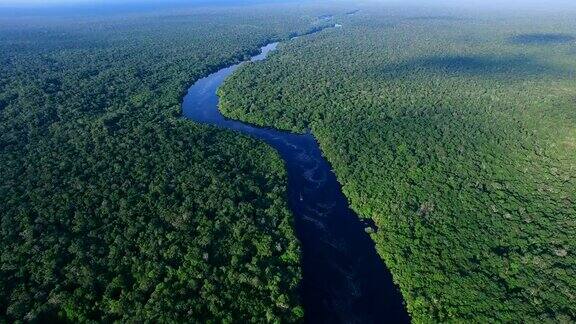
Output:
x=541 y=39
x=478 y=65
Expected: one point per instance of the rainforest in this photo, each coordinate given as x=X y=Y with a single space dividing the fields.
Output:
x=116 y=209
x=288 y=161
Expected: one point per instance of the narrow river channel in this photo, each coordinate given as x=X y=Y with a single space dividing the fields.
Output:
x=344 y=279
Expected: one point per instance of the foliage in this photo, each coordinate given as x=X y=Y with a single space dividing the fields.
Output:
x=456 y=136
x=113 y=208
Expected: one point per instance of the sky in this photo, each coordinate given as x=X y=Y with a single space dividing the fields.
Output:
x=48 y=3
x=40 y=2
x=544 y=4
x=470 y=2
x=23 y=3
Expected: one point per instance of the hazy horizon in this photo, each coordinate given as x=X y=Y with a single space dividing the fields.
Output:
x=96 y=8
x=37 y=8
x=70 y=3
x=476 y=3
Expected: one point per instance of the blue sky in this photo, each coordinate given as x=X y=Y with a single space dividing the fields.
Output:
x=36 y=3
x=479 y=3
x=53 y=2
x=42 y=2
x=48 y=3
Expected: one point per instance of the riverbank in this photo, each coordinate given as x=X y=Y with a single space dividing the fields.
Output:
x=344 y=278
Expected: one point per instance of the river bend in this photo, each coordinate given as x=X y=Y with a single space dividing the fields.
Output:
x=344 y=279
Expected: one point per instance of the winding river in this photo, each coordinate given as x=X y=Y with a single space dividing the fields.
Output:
x=344 y=279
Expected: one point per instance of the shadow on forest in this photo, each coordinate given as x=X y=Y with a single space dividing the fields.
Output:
x=541 y=39
x=482 y=65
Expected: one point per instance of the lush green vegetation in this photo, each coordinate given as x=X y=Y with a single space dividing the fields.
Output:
x=115 y=208
x=456 y=135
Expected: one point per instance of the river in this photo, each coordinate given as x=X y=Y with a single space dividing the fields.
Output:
x=344 y=279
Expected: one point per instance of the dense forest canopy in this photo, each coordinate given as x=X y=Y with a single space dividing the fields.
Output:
x=115 y=208
x=84 y=8
x=456 y=134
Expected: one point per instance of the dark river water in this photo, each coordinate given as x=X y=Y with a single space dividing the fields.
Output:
x=344 y=279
